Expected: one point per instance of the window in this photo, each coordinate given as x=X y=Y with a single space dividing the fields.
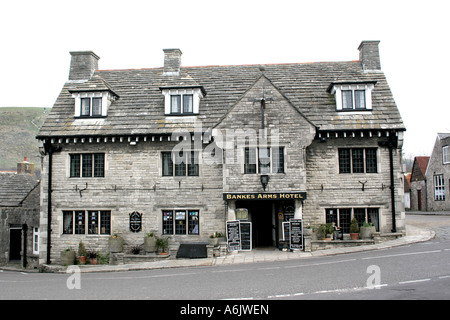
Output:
x=264 y=160
x=180 y=164
x=87 y=165
x=91 y=107
x=358 y=160
x=86 y=222
x=35 y=240
x=445 y=155
x=439 y=187
x=181 y=104
x=342 y=217
x=184 y=222
x=182 y=101
x=352 y=96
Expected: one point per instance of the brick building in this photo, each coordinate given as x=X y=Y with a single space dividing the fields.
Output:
x=188 y=147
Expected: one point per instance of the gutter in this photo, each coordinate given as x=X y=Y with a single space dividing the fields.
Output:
x=49 y=150
x=391 y=143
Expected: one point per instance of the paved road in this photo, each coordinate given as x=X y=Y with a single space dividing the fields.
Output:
x=417 y=271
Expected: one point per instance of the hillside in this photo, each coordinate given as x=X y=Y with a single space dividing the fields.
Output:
x=18 y=129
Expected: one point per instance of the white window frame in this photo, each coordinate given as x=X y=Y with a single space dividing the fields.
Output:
x=196 y=96
x=367 y=87
x=439 y=187
x=36 y=240
x=106 y=101
x=445 y=155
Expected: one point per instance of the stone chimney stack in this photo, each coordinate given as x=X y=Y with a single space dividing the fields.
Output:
x=369 y=55
x=172 y=61
x=25 y=167
x=82 y=65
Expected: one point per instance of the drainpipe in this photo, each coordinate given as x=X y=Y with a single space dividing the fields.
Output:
x=49 y=149
x=391 y=144
x=24 y=250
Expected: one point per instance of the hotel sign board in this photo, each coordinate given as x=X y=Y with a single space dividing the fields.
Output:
x=265 y=196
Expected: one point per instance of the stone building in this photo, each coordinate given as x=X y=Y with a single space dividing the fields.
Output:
x=419 y=184
x=19 y=216
x=189 y=148
x=438 y=175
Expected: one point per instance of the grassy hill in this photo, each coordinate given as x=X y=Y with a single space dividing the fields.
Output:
x=18 y=129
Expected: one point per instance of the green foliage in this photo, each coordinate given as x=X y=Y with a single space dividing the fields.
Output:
x=354 y=228
x=18 y=130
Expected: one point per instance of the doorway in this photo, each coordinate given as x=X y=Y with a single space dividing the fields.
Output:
x=15 y=243
x=419 y=200
x=264 y=224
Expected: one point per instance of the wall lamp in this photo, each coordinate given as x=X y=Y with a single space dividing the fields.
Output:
x=264 y=181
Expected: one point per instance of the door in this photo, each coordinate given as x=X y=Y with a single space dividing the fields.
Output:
x=419 y=200
x=15 y=243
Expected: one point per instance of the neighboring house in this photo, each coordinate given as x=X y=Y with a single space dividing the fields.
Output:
x=438 y=175
x=419 y=184
x=19 y=217
x=407 y=190
x=181 y=150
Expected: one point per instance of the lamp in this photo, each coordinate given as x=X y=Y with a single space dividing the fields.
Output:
x=264 y=181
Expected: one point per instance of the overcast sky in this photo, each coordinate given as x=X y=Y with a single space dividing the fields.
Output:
x=36 y=37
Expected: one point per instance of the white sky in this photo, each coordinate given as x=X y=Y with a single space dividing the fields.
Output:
x=36 y=37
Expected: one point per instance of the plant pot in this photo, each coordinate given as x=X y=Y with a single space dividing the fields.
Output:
x=354 y=236
x=68 y=257
x=307 y=232
x=163 y=253
x=213 y=241
x=149 y=244
x=367 y=232
x=82 y=259
x=93 y=261
x=115 y=244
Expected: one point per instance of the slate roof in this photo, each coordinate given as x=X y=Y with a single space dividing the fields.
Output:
x=14 y=188
x=140 y=108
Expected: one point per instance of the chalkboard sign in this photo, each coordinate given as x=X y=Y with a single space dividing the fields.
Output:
x=286 y=231
x=246 y=235
x=296 y=233
x=135 y=221
x=233 y=235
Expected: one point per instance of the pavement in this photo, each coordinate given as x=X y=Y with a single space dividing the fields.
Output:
x=414 y=234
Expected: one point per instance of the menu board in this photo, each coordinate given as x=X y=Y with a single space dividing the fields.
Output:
x=233 y=235
x=296 y=233
x=246 y=235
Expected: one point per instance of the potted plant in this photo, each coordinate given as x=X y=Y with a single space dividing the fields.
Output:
x=162 y=243
x=367 y=230
x=214 y=239
x=150 y=242
x=68 y=257
x=82 y=253
x=324 y=231
x=115 y=243
x=354 y=229
x=92 y=254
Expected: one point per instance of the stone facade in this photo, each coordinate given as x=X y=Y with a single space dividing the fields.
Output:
x=286 y=113
x=437 y=172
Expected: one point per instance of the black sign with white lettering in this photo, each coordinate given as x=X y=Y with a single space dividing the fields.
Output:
x=246 y=235
x=233 y=235
x=135 y=221
x=296 y=233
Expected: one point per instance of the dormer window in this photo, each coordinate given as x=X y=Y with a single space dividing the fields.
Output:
x=352 y=96
x=92 y=98
x=92 y=104
x=182 y=101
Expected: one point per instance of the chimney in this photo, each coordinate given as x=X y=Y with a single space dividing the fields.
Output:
x=369 y=55
x=82 y=65
x=25 y=167
x=172 y=61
